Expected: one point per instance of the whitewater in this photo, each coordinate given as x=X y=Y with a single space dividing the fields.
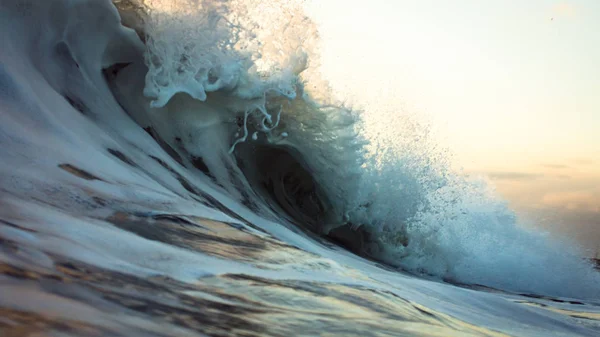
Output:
x=182 y=168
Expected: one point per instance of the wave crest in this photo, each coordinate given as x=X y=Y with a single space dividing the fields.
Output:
x=250 y=69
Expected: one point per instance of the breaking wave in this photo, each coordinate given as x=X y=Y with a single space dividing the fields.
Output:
x=232 y=91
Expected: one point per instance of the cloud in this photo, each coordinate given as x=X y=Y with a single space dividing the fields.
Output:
x=520 y=176
x=583 y=161
x=563 y=176
x=555 y=166
x=573 y=201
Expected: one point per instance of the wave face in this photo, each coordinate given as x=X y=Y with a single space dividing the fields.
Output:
x=230 y=75
x=217 y=109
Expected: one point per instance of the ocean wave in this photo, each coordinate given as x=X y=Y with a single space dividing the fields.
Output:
x=227 y=78
x=231 y=91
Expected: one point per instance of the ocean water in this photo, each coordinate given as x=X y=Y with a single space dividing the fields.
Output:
x=181 y=168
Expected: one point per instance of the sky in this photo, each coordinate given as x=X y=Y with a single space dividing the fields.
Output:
x=512 y=87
